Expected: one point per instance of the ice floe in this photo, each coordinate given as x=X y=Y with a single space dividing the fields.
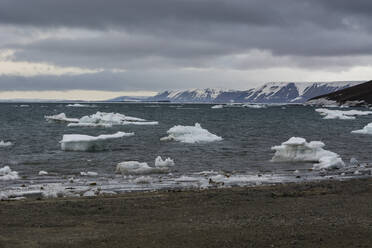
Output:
x=296 y=149
x=43 y=173
x=366 y=130
x=5 y=144
x=60 y=118
x=78 y=105
x=340 y=114
x=7 y=174
x=159 y=162
x=190 y=134
x=255 y=106
x=217 y=107
x=102 y=119
x=79 y=142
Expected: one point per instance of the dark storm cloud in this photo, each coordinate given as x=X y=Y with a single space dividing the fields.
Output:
x=171 y=34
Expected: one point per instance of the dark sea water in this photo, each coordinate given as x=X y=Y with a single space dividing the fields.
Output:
x=248 y=135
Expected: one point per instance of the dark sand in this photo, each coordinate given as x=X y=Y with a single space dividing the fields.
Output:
x=326 y=214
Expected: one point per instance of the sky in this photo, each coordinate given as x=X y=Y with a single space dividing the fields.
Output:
x=94 y=49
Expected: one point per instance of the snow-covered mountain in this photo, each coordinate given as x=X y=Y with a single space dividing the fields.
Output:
x=282 y=92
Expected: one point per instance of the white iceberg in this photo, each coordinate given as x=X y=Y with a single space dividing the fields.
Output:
x=217 y=107
x=190 y=134
x=159 y=162
x=43 y=173
x=138 y=168
x=7 y=174
x=102 y=119
x=366 y=130
x=79 y=142
x=339 y=114
x=296 y=149
x=60 y=118
x=5 y=144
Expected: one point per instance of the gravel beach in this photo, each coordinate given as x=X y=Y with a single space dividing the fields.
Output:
x=316 y=214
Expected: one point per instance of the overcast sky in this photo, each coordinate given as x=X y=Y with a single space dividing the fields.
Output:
x=96 y=48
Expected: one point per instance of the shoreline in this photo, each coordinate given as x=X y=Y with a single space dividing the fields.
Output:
x=328 y=213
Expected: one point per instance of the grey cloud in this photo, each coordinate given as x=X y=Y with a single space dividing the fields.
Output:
x=143 y=36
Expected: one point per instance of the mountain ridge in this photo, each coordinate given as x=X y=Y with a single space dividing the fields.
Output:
x=273 y=92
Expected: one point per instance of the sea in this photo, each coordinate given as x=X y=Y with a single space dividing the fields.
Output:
x=241 y=158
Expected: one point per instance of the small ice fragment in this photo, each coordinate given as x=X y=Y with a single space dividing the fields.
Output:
x=354 y=161
x=143 y=180
x=138 y=168
x=159 y=162
x=217 y=107
x=6 y=174
x=339 y=114
x=89 y=173
x=366 y=130
x=43 y=173
x=5 y=144
x=77 y=105
x=60 y=118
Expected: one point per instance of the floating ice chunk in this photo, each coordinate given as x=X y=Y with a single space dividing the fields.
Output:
x=296 y=149
x=102 y=119
x=143 y=180
x=60 y=118
x=89 y=173
x=339 y=114
x=138 y=168
x=168 y=162
x=366 y=130
x=5 y=144
x=255 y=106
x=43 y=173
x=354 y=161
x=7 y=174
x=190 y=134
x=89 y=125
x=79 y=142
x=77 y=105
x=24 y=106
x=217 y=107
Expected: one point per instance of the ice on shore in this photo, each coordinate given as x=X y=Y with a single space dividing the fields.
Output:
x=77 y=105
x=296 y=149
x=339 y=114
x=89 y=173
x=138 y=168
x=5 y=144
x=102 y=119
x=190 y=134
x=159 y=162
x=7 y=174
x=43 y=173
x=217 y=107
x=366 y=130
x=79 y=142
x=60 y=118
